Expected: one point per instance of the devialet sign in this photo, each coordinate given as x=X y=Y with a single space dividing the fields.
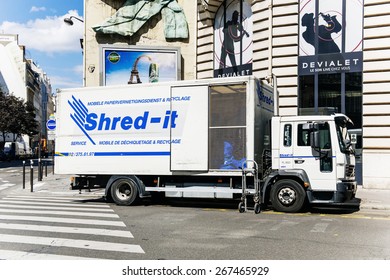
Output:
x=330 y=36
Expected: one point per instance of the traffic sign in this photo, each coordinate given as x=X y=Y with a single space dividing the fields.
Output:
x=51 y=124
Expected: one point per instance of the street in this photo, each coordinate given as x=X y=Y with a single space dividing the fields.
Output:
x=52 y=224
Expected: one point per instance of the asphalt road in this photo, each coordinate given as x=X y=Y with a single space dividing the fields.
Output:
x=62 y=225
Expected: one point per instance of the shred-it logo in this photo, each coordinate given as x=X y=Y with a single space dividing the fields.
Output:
x=88 y=121
x=80 y=115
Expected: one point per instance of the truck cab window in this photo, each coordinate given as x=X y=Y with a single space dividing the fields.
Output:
x=325 y=152
x=303 y=136
x=287 y=135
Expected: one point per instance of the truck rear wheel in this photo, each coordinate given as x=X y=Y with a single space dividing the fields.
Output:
x=287 y=196
x=124 y=191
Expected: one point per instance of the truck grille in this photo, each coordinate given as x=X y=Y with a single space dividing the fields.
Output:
x=349 y=170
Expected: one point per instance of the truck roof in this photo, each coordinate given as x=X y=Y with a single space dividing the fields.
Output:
x=315 y=117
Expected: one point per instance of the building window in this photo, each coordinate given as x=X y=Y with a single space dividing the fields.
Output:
x=330 y=60
x=332 y=93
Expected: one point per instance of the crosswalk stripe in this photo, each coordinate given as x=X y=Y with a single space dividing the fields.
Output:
x=319 y=227
x=72 y=243
x=66 y=198
x=44 y=199
x=283 y=224
x=7 y=185
x=63 y=213
x=25 y=220
x=70 y=204
x=23 y=255
x=89 y=231
x=63 y=220
x=55 y=208
x=12 y=171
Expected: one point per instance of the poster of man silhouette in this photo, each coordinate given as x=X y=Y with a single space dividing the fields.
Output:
x=330 y=36
x=233 y=53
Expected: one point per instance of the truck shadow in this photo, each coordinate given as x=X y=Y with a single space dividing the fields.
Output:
x=233 y=205
x=226 y=205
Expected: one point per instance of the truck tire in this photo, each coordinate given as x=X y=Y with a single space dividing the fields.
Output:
x=287 y=196
x=124 y=191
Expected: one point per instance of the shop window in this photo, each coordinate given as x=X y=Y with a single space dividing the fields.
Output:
x=329 y=93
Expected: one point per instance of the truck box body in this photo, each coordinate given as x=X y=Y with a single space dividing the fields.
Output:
x=202 y=127
x=216 y=138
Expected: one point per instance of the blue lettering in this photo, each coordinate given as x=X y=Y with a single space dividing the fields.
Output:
x=103 y=122
x=90 y=121
x=140 y=122
x=126 y=123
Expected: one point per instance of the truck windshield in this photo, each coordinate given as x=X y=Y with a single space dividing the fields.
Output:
x=343 y=137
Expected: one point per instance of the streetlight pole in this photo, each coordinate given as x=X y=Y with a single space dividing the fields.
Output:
x=70 y=21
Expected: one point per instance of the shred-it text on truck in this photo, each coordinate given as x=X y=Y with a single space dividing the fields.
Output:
x=216 y=138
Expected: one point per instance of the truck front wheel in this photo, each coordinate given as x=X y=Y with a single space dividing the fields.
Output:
x=124 y=191
x=287 y=196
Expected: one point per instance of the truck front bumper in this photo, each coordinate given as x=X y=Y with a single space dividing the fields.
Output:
x=344 y=195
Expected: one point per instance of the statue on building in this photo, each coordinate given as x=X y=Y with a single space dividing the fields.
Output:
x=135 y=13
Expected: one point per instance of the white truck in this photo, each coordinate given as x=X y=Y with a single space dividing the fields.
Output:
x=17 y=150
x=212 y=138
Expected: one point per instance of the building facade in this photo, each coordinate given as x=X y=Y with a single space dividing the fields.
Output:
x=328 y=55
x=22 y=78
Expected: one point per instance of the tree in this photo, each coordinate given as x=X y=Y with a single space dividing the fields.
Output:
x=16 y=117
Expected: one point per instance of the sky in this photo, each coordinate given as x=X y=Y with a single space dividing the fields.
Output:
x=51 y=43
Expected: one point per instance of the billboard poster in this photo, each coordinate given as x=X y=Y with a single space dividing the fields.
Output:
x=330 y=36
x=134 y=65
x=233 y=32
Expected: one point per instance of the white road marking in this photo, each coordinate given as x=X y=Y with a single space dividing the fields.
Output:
x=62 y=220
x=62 y=213
x=51 y=198
x=72 y=243
x=7 y=185
x=12 y=171
x=89 y=231
x=320 y=227
x=39 y=202
x=23 y=206
x=22 y=255
x=283 y=224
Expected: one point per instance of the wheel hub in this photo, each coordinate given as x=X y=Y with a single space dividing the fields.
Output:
x=287 y=196
x=124 y=191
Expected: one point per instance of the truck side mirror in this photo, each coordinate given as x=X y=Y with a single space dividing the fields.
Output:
x=315 y=140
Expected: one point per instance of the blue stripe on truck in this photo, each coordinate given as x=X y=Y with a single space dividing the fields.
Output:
x=112 y=154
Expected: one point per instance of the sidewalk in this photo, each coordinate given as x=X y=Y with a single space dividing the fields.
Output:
x=373 y=199
x=57 y=184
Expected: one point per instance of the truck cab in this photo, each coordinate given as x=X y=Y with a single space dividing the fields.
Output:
x=318 y=151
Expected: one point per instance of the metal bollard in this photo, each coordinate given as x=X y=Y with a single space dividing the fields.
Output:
x=45 y=168
x=39 y=170
x=31 y=175
x=24 y=174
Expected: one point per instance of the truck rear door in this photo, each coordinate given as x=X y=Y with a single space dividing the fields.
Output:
x=189 y=139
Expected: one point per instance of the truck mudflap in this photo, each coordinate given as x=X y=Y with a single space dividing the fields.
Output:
x=343 y=196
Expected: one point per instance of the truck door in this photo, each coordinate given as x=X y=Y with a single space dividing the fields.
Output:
x=189 y=136
x=318 y=164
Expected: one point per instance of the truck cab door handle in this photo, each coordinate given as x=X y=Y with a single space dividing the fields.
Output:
x=299 y=161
